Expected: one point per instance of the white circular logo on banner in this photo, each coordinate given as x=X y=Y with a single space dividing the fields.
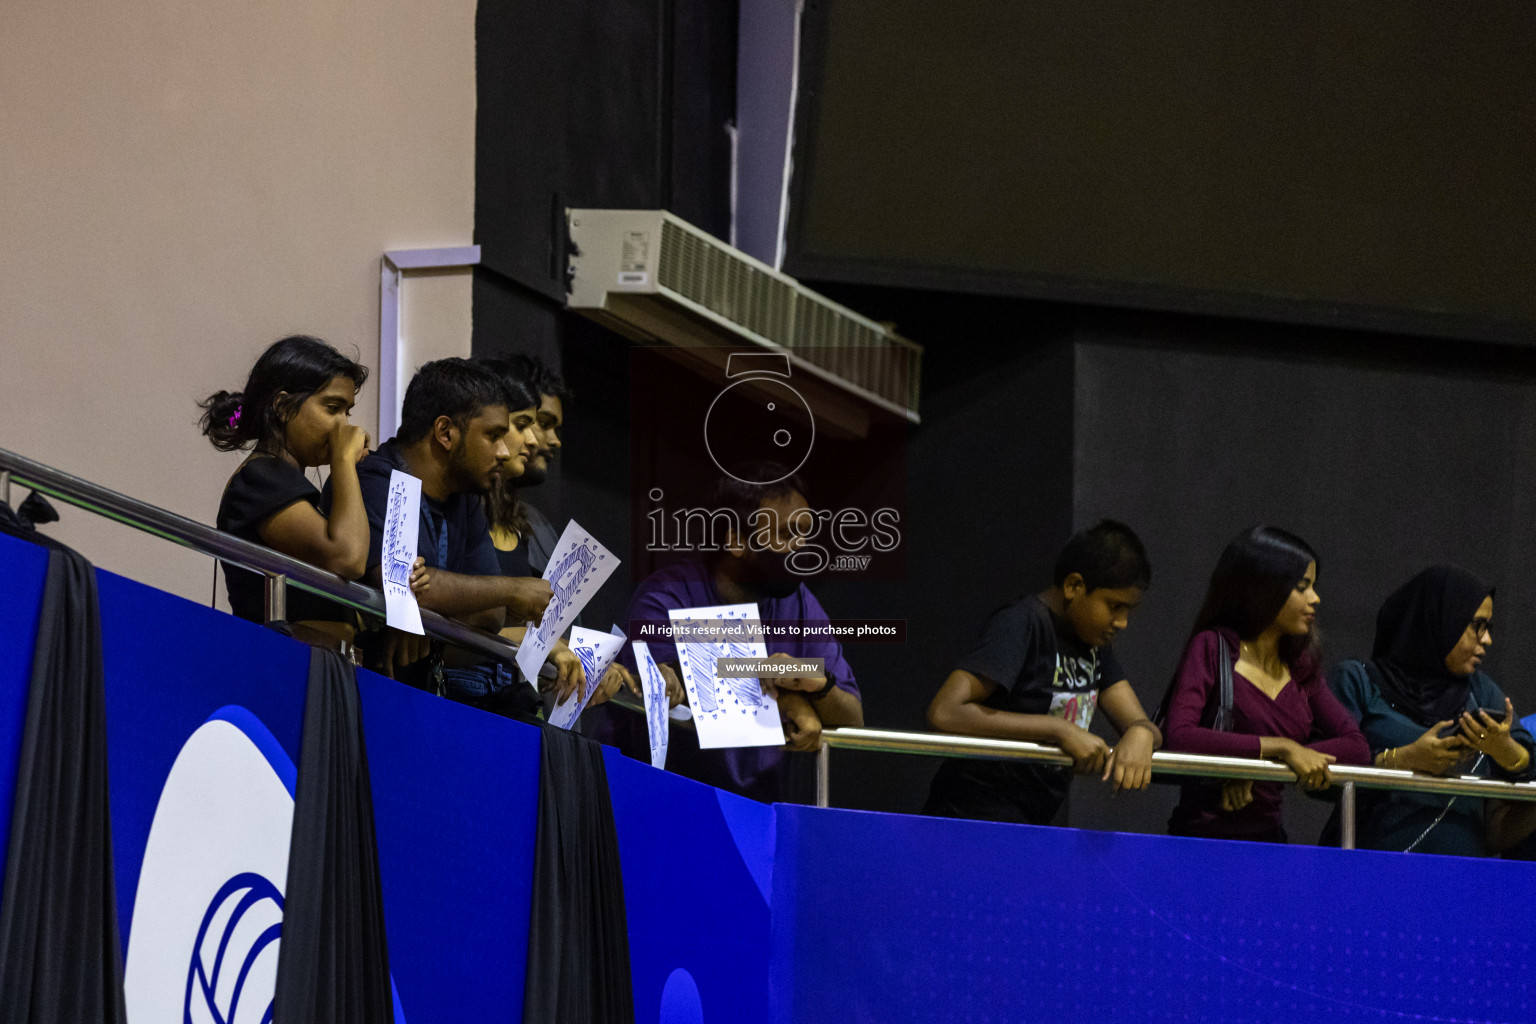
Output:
x=207 y=917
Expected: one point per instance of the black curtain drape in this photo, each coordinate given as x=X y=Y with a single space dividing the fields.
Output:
x=60 y=952
x=578 y=941
x=333 y=965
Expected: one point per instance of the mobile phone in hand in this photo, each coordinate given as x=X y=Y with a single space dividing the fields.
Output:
x=1454 y=729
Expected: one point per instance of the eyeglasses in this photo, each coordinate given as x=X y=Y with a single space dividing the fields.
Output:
x=1480 y=626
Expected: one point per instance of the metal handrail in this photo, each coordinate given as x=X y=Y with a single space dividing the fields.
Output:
x=1346 y=776
x=280 y=570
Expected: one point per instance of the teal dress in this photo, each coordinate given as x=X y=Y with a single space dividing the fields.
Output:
x=1388 y=820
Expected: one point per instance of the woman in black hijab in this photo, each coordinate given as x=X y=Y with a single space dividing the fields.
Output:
x=1424 y=705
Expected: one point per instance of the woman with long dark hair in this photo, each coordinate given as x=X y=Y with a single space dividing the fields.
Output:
x=1256 y=628
x=511 y=527
x=1424 y=705
x=293 y=415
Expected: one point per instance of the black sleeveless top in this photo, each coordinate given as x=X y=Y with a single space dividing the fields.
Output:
x=515 y=562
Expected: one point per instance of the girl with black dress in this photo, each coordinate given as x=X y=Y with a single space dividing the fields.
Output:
x=293 y=415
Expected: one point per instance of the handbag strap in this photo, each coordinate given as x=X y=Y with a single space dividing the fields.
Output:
x=1222 y=722
x=1221 y=718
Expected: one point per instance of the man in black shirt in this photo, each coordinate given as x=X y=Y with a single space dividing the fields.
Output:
x=1042 y=666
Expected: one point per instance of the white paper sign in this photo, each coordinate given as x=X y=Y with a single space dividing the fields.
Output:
x=578 y=566
x=596 y=652
x=653 y=686
x=402 y=518
x=727 y=712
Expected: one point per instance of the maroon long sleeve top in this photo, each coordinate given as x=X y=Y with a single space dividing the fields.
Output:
x=1305 y=710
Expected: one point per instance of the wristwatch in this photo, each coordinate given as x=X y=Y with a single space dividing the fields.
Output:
x=828 y=688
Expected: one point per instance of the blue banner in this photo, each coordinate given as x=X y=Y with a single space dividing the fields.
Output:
x=883 y=917
x=738 y=913
x=698 y=871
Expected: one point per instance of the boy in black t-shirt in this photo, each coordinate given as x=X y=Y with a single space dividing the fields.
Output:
x=1040 y=668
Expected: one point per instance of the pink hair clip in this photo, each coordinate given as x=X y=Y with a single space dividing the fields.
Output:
x=234 y=420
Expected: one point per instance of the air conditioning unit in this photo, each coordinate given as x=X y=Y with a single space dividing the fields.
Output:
x=652 y=276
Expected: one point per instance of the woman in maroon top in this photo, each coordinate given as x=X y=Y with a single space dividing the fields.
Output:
x=1259 y=608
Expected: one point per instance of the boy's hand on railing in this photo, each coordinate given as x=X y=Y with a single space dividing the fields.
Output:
x=1130 y=764
x=1236 y=794
x=1089 y=753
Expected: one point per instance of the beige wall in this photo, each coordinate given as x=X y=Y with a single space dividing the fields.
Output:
x=182 y=183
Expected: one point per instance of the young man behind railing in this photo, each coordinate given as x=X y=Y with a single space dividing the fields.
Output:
x=453 y=428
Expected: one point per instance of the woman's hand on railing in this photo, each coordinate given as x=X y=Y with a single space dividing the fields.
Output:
x=1236 y=794
x=1311 y=767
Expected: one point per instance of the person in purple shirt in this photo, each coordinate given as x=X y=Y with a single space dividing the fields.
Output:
x=744 y=572
x=1258 y=614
